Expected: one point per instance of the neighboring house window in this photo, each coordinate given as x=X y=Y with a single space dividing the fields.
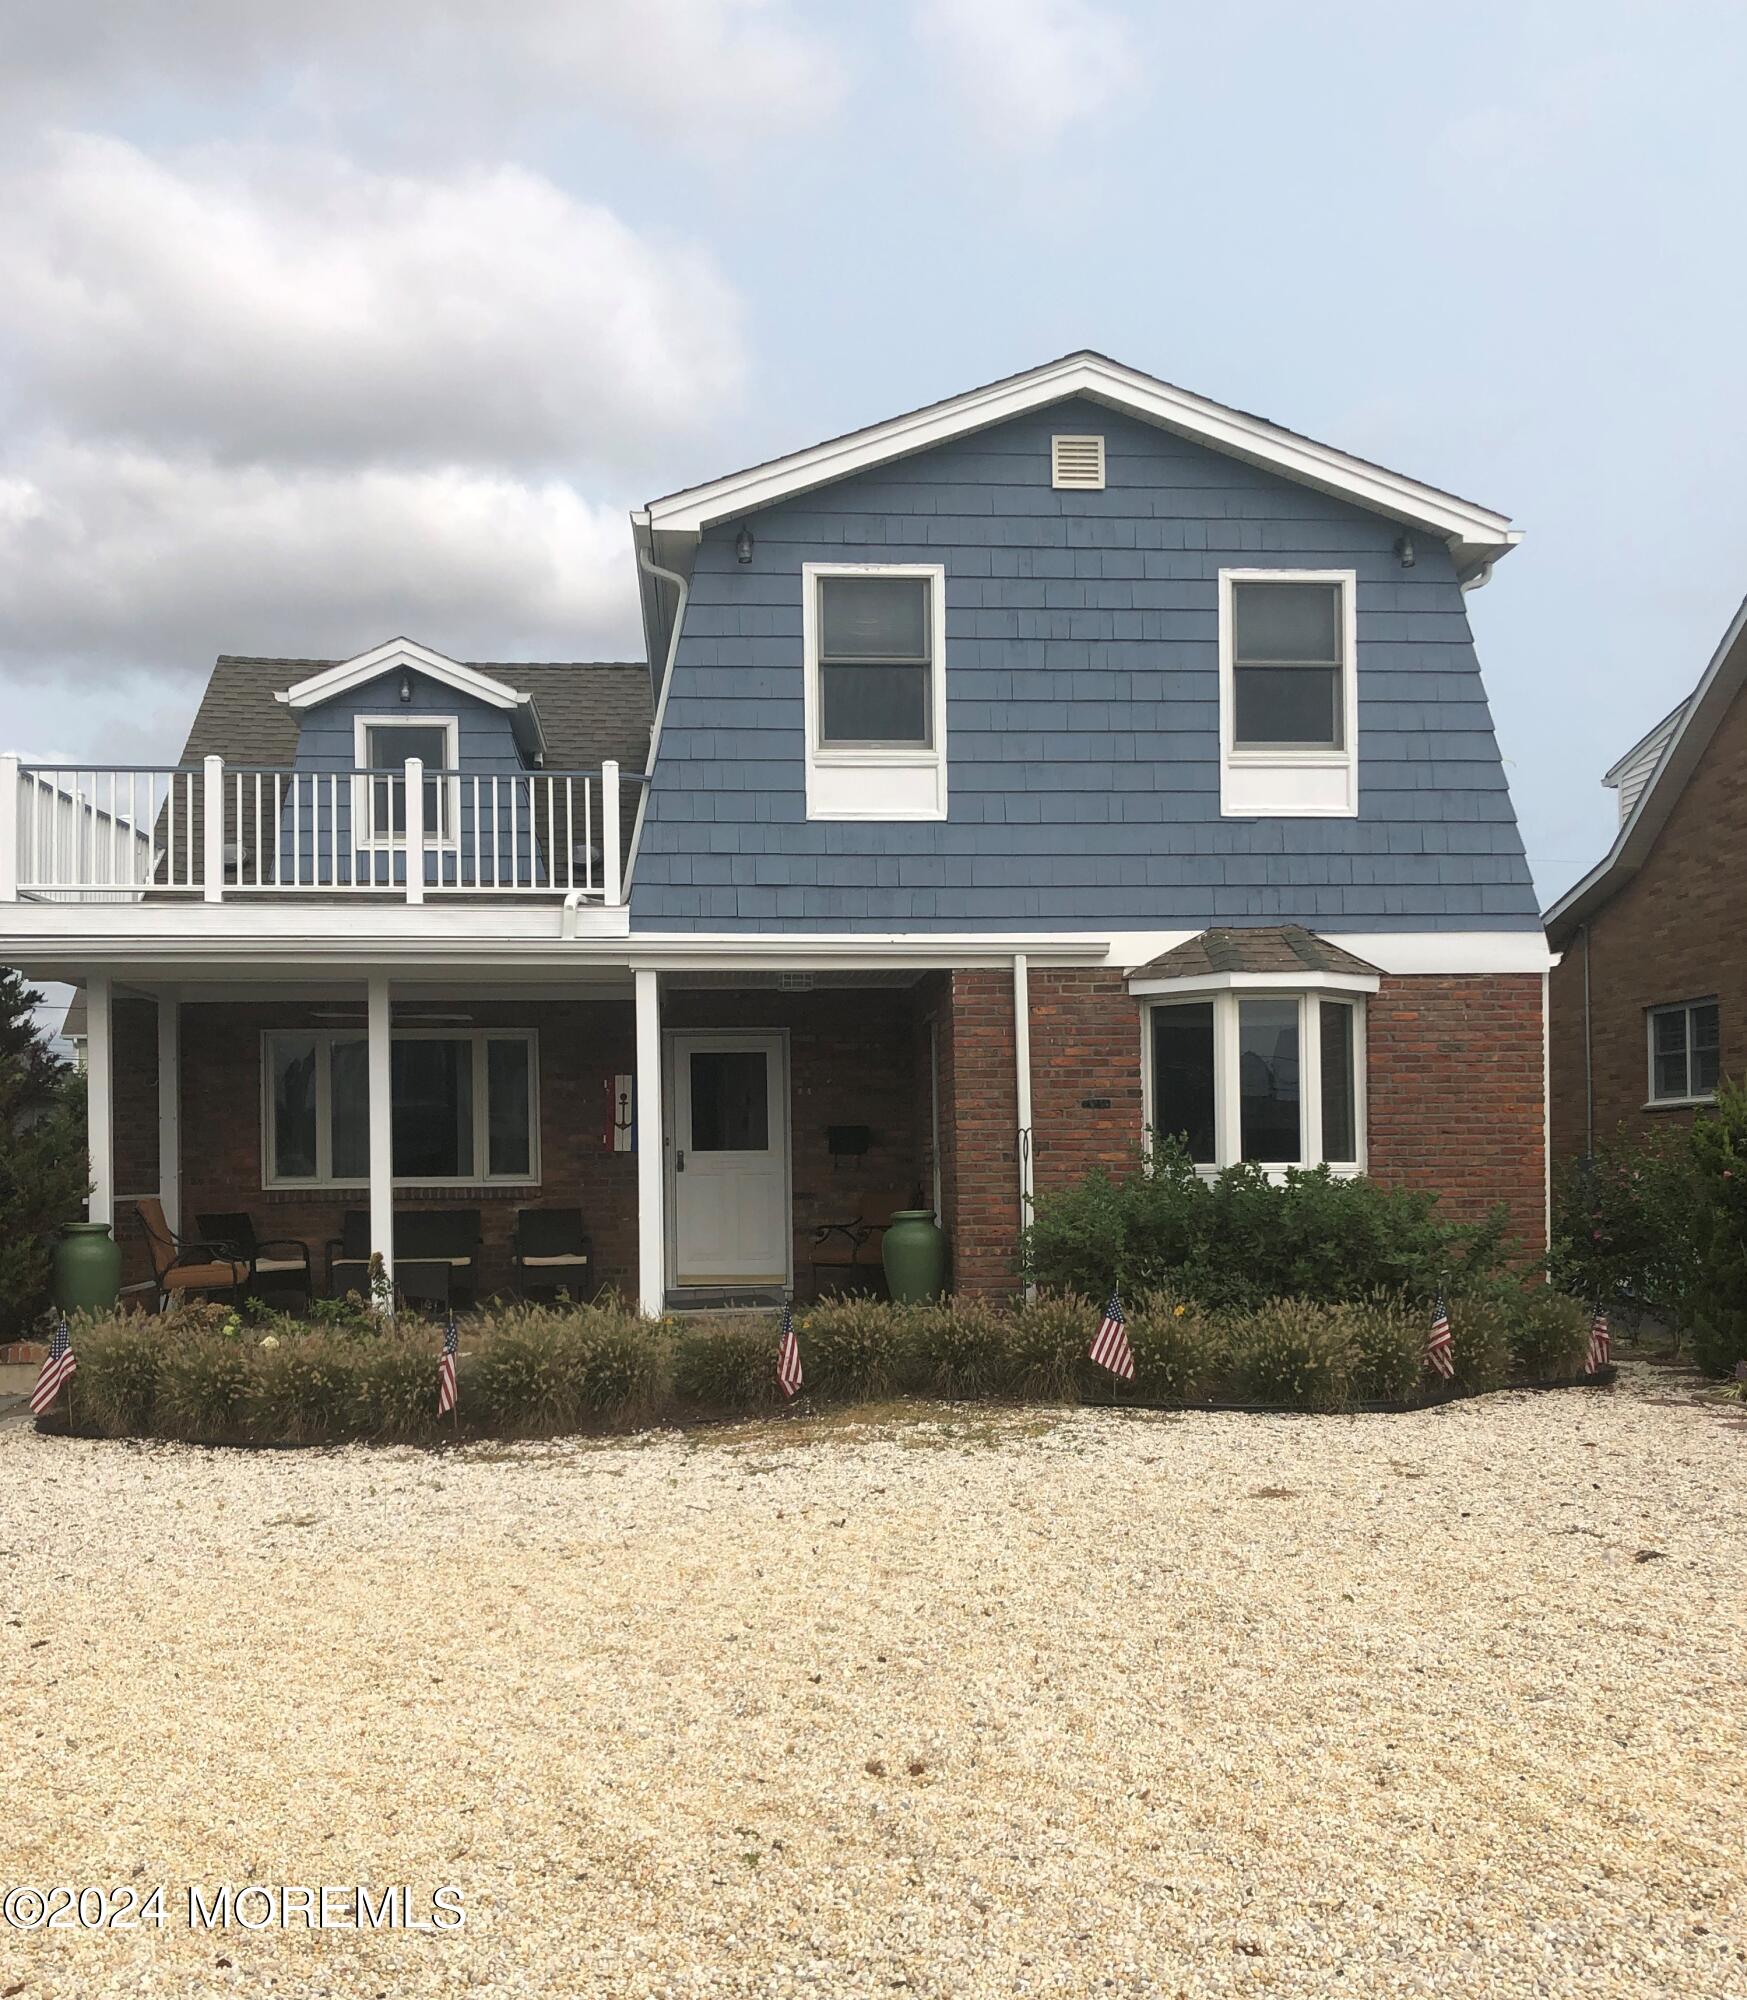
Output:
x=1258 y=1075
x=875 y=690
x=383 y=743
x=465 y=1108
x=1288 y=693
x=1685 y=1052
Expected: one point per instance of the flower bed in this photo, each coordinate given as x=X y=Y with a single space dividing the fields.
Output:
x=205 y=1376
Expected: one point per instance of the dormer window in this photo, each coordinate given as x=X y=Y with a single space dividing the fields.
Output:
x=383 y=744
x=875 y=695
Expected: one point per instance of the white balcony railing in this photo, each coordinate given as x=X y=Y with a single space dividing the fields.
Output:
x=218 y=831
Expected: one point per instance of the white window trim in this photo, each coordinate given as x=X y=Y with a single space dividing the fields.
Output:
x=324 y=1040
x=1244 y=790
x=827 y=799
x=1686 y=1103
x=364 y=834
x=1227 y=1108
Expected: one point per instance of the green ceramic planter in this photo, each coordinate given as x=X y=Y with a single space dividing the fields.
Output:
x=87 y=1268
x=914 y=1254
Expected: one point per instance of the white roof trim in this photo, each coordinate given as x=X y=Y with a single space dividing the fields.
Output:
x=1475 y=534
x=384 y=659
x=1721 y=681
x=1308 y=980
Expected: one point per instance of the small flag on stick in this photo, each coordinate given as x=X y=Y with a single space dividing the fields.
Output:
x=1438 y=1342
x=1110 y=1348
x=60 y=1367
x=446 y=1388
x=788 y=1354
x=1597 y=1357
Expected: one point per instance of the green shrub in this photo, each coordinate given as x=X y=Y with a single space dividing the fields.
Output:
x=856 y=1348
x=1548 y=1333
x=1480 y=1341
x=1718 y=1299
x=1181 y=1351
x=203 y=1388
x=961 y=1348
x=44 y=1171
x=1625 y=1223
x=1050 y=1336
x=116 y=1384
x=726 y=1363
x=304 y=1389
x=1241 y=1238
x=1388 y=1336
x=1294 y=1353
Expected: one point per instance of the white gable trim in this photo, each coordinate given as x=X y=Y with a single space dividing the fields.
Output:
x=385 y=659
x=1476 y=535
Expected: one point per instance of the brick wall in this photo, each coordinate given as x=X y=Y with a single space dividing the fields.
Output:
x=1454 y=1077
x=1672 y=933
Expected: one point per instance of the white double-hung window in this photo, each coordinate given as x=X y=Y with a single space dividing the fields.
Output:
x=1288 y=693
x=382 y=744
x=1685 y=1053
x=875 y=690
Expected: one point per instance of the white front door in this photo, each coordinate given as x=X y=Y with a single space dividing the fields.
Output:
x=729 y=1162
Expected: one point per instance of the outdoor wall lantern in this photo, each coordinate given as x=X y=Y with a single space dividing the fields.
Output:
x=743 y=546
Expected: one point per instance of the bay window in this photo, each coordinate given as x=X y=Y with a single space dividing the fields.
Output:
x=465 y=1108
x=1258 y=1074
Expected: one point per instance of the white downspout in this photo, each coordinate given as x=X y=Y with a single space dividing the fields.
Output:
x=1022 y=1089
x=647 y=562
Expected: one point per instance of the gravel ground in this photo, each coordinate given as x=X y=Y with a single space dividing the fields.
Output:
x=1050 y=1703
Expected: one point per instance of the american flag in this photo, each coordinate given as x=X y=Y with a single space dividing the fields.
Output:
x=1110 y=1348
x=446 y=1368
x=61 y=1366
x=1438 y=1341
x=788 y=1354
x=1597 y=1357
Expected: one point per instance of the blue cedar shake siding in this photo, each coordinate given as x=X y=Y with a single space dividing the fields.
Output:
x=1082 y=712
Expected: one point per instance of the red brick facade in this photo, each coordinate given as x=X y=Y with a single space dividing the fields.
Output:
x=1454 y=1076
x=1673 y=932
x=1454 y=1083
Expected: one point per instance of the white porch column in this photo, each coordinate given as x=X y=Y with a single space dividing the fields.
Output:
x=100 y=1098
x=170 y=1106
x=651 y=1156
x=11 y=800
x=381 y=1073
x=1022 y=1083
x=612 y=872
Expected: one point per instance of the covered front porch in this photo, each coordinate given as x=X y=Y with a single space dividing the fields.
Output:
x=718 y=1134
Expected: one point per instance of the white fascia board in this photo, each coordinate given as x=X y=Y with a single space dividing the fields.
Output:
x=1306 y=981
x=354 y=673
x=1475 y=534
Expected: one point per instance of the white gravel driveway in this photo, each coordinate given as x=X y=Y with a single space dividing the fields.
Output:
x=953 y=1705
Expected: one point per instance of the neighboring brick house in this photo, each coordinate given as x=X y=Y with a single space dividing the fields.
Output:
x=1649 y=998
x=1069 y=759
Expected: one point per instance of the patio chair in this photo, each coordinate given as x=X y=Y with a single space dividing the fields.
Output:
x=549 y=1249
x=349 y=1255
x=184 y=1263
x=846 y=1254
x=275 y=1262
x=441 y=1237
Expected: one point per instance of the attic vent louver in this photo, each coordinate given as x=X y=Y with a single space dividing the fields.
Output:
x=1077 y=462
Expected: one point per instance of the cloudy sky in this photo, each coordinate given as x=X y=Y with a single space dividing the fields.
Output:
x=326 y=319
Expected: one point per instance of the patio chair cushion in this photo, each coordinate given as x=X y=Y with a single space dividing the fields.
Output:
x=203 y=1277
x=548 y=1263
x=266 y=1266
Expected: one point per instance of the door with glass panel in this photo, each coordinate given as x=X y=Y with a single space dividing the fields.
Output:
x=728 y=1166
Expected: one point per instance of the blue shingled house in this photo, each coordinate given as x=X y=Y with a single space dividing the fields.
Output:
x=1070 y=758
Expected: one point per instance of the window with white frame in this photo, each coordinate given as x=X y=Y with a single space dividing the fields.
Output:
x=1263 y=1075
x=1288 y=693
x=465 y=1108
x=1685 y=1052
x=875 y=693
x=383 y=744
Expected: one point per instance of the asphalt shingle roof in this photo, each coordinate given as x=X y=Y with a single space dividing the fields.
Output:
x=590 y=710
x=1261 y=948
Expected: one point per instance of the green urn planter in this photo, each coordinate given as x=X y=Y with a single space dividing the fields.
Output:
x=87 y=1268
x=914 y=1254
